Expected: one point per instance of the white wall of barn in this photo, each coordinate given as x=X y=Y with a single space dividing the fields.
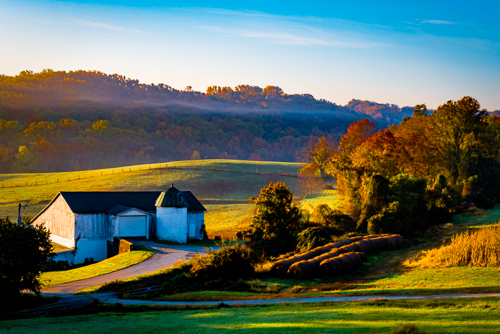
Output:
x=195 y=222
x=171 y=224
x=91 y=230
x=60 y=221
x=91 y=249
x=65 y=256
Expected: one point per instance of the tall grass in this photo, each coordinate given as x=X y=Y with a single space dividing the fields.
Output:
x=479 y=248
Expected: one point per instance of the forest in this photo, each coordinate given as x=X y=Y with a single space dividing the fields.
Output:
x=62 y=121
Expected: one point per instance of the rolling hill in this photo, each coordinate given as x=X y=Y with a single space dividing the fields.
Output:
x=223 y=186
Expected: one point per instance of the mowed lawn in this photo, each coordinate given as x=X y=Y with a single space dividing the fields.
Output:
x=382 y=316
x=107 y=266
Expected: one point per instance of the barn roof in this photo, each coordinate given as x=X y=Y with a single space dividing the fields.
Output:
x=173 y=197
x=103 y=201
x=106 y=201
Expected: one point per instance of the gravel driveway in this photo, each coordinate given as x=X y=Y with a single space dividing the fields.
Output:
x=166 y=256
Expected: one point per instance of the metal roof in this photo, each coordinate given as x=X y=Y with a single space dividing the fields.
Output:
x=106 y=201
x=172 y=198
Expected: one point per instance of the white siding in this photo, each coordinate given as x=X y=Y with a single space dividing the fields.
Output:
x=195 y=222
x=91 y=225
x=96 y=249
x=171 y=224
x=70 y=243
x=60 y=221
x=65 y=256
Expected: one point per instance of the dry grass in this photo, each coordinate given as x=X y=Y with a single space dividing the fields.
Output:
x=475 y=248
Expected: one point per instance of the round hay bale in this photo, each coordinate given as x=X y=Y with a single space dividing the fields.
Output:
x=354 y=259
x=399 y=240
x=330 y=268
x=301 y=269
x=280 y=268
x=346 y=261
x=362 y=256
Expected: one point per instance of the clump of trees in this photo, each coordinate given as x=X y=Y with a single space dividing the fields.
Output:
x=25 y=250
x=418 y=173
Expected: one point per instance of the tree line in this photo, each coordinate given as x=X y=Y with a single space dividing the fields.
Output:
x=61 y=121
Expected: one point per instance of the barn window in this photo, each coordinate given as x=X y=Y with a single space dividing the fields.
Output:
x=179 y=199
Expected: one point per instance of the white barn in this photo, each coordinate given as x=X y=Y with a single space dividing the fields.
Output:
x=87 y=222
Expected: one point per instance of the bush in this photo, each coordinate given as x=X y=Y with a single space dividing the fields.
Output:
x=25 y=250
x=408 y=329
x=228 y=263
x=324 y=215
x=221 y=269
x=313 y=237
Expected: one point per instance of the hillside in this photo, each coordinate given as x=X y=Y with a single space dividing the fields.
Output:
x=64 y=121
x=223 y=186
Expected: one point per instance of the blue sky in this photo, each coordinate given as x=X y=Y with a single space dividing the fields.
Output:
x=398 y=52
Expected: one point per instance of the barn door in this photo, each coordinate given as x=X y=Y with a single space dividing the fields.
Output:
x=132 y=226
x=192 y=230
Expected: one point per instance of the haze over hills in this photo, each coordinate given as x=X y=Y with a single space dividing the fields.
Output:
x=62 y=121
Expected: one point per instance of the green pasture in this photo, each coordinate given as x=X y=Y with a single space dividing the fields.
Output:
x=329 y=197
x=107 y=266
x=210 y=180
x=381 y=316
x=223 y=186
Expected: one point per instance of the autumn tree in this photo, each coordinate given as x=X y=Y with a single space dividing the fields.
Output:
x=317 y=154
x=357 y=133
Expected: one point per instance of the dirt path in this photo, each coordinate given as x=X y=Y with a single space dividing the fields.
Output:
x=112 y=299
x=166 y=256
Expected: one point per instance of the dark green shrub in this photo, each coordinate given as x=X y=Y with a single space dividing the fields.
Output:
x=324 y=215
x=219 y=270
x=409 y=329
x=229 y=263
x=313 y=237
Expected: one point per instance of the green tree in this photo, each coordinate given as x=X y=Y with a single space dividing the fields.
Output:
x=459 y=125
x=276 y=220
x=24 y=251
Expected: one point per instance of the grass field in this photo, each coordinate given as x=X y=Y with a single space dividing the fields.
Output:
x=223 y=186
x=329 y=197
x=115 y=263
x=382 y=316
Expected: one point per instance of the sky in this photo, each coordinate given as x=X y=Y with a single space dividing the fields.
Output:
x=400 y=52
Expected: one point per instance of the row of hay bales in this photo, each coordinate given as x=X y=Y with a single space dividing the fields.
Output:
x=308 y=264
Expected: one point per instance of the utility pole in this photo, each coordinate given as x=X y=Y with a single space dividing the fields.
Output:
x=19 y=221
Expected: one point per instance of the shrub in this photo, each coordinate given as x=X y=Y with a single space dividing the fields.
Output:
x=313 y=237
x=324 y=215
x=479 y=248
x=228 y=263
x=219 y=269
x=409 y=329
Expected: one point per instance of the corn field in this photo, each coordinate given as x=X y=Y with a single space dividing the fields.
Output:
x=480 y=248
